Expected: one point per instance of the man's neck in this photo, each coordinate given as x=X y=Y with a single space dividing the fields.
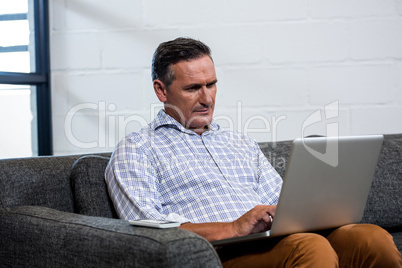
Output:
x=199 y=131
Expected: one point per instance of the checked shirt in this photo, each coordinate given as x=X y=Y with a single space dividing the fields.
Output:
x=168 y=172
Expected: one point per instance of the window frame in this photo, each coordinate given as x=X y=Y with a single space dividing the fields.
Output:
x=40 y=78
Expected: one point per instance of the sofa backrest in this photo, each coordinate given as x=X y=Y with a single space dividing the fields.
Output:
x=384 y=205
x=67 y=183
x=277 y=154
x=38 y=181
x=90 y=192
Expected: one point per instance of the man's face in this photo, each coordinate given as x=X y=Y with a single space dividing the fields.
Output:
x=191 y=97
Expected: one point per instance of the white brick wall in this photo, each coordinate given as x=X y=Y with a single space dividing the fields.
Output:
x=305 y=42
x=399 y=6
x=239 y=11
x=277 y=62
x=352 y=84
x=324 y=9
x=376 y=39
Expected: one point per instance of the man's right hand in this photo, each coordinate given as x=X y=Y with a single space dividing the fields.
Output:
x=256 y=220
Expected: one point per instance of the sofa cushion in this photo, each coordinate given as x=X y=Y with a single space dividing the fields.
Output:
x=89 y=187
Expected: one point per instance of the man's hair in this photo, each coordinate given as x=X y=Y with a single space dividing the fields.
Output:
x=172 y=52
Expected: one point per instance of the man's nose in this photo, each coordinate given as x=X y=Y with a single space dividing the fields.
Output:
x=206 y=96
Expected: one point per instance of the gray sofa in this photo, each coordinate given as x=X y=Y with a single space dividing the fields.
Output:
x=55 y=211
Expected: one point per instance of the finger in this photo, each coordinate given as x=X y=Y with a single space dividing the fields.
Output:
x=267 y=218
x=260 y=227
x=271 y=211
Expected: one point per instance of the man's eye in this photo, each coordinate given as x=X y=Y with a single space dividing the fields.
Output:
x=211 y=85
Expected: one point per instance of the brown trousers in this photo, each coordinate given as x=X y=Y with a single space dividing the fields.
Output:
x=355 y=245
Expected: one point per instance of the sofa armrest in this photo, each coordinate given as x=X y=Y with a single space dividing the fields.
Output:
x=39 y=236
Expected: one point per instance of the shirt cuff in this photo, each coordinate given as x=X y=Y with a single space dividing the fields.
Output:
x=177 y=218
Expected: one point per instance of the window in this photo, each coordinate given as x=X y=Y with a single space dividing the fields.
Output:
x=25 y=114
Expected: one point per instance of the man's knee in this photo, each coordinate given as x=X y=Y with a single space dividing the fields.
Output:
x=365 y=243
x=361 y=235
x=312 y=250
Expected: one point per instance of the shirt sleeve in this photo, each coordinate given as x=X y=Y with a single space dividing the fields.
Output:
x=133 y=184
x=269 y=181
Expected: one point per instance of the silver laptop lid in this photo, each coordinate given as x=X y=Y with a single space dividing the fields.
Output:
x=326 y=183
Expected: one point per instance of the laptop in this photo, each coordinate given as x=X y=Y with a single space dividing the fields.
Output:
x=326 y=185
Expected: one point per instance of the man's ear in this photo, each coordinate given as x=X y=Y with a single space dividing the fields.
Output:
x=160 y=90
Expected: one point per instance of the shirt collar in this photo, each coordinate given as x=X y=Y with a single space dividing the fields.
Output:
x=165 y=120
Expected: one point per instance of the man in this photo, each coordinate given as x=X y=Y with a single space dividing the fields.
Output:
x=217 y=183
